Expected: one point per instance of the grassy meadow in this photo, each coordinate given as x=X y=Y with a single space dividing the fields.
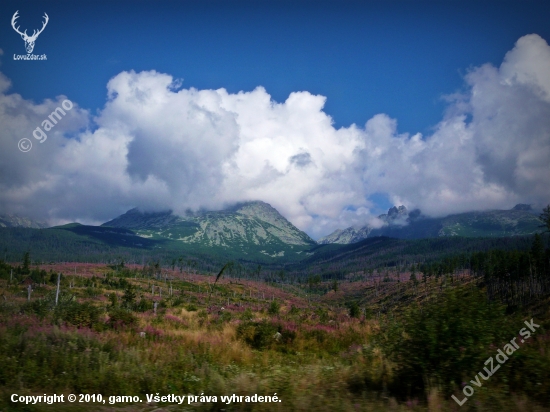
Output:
x=328 y=346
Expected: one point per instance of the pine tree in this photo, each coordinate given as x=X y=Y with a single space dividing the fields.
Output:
x=537 y=252
x=545 y=217
x=129 y=297
x=354 y=310
x=26 y=264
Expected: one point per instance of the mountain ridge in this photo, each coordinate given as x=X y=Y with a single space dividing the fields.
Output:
x=12 y=220
x=254 y=224
x=402 y=224
x=257 y=227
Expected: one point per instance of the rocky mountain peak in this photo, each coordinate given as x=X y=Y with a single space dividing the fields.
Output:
x=349 y=235
x=263 y=211
x=9 y=220
x=522 y=206
x=137 y=219
x=395 y=215
x=395 y=212
x=249 y=224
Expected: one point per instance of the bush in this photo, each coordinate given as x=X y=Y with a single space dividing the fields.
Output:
x=191 y=307
x=79 y=314
x=528 y=370
x=121 y=318
x=258 y=335
x=274 y=308
x=144 y=305
x=91 y=292
x=354 y=310
x=318 y=335
x=39 y=307
x=443 y=341
x=225 y=316
x=113 y=298
x=323 y=315
x=129 y=297
x=67 y=310
x=262 y=335
x=178 y=301
x=247 y=314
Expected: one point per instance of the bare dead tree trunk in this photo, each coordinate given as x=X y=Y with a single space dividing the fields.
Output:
x=57 y=292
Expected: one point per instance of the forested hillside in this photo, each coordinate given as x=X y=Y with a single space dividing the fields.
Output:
x=388 y=338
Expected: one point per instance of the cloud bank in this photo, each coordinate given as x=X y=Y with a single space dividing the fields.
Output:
x=158 y=146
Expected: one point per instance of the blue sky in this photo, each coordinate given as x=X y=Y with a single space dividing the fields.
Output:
x=366 y=57
x=397 y=58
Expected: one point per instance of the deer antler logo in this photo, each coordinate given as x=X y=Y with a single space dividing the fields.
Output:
x=29 y=40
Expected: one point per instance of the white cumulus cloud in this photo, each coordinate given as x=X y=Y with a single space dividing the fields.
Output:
x=158 y=146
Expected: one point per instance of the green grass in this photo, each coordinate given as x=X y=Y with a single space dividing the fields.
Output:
x=310 y=352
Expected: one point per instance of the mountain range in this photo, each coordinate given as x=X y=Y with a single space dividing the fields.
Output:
x=7 y=220
x=402 y=224
x=257 y=226
x=256 y=231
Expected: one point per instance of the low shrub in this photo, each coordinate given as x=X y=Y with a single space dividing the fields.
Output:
x=39 y=307
x=191 y=307
x=354 y=310
x=443 y=341
x=293 y=310
x=144 y=305
x=225 y=316
x=120 y=318
x=323 y=315
x=259 y=335
x=91 y=292
x=247 y=314
x=178 y=301
x=274 y=308
x=79 y=314
x=262 y=335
